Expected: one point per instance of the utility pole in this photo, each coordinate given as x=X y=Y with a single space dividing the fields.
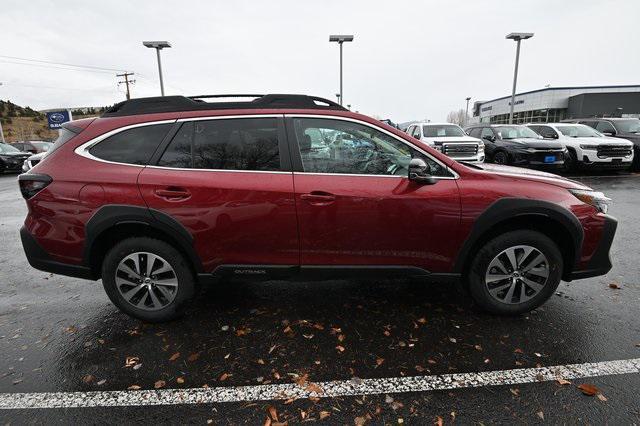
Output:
x=466 y=114
x=126 y=81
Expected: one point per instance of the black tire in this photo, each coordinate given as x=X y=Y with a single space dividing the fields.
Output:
x=186 y=284
x=476 y=278
x=501 y=157
x=570 y=161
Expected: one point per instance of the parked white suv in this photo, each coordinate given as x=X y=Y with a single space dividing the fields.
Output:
x=587 y=147
x=449 y=139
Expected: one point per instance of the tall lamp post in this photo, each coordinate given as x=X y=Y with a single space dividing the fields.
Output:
x=158 y=45
x=466 y=114
x=518 y=37
x=340 y=39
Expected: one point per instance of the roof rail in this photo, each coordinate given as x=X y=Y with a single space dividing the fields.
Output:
x=196 y=103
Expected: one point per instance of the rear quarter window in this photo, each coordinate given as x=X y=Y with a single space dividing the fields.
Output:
x=132 y=146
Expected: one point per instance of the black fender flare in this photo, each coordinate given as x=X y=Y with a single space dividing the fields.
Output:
x=111 y=215
x=509 y=208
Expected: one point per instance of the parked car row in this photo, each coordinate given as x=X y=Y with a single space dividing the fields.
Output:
x=570 y=145
x=11 y=159
x=21 y=156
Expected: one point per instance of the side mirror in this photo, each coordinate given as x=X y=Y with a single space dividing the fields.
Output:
x=550 y=136
x=419 y=172
x=489 y=138
x=609 y=133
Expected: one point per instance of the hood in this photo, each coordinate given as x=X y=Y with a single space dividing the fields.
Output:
x=605 y=140
x=529 y=174
x=535 y=143
x=441 y=139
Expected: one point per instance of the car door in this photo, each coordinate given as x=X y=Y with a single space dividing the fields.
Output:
x=489 y=138
x=356 y=206
x=228 y=182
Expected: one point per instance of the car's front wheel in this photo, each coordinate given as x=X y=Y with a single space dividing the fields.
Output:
x=515 y=272
x=501 y=157
x=148 y=279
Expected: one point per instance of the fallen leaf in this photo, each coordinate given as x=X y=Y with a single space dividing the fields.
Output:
x=193 y=357
x=422 y=320
x=159 y=384
x=273 y=413
x=180 y=380
x=101 y=382
x=242 y=331
x=379 y=361
x=260 y=361
x=174 y=356
x=340 y=348
x=312 y=387
x=359 y=421
x=224 y=377
x=517 y=351
x=562 y=381
x=452 y=340
x=601 y=397
x=478 y=347
x=341 y=337
x=439 y=421
x=614 y=286
x=303 y=414
x=515 y=391
x=267 y=421
x=386 y=333
x=324 y=414
x=88 y=379
x=540 y=414
x=588 y=389
x=133 y=387
x=287 y=330
x=130 y=361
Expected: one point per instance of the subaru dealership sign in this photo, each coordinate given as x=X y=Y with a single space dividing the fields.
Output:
x=56 y=119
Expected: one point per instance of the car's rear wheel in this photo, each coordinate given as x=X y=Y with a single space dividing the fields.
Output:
x=515 y=272
x=501 y=157
x=148 y=279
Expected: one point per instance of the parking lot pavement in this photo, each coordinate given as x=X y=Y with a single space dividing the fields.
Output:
x=60 y=334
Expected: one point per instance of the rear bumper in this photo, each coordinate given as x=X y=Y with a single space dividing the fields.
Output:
x=40 y=259
x=600 y=262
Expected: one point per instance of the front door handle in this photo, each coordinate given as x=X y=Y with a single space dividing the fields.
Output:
x=173 y=193
x=319 y=198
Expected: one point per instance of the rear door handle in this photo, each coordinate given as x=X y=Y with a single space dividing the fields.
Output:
x=318 y=197
x=173 y=193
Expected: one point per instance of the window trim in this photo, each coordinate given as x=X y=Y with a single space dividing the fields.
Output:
x=83 y=149
x=297 y=162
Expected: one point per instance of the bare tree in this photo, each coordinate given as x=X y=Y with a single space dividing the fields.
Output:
x=459 y=117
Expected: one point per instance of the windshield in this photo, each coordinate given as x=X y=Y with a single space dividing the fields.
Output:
x=515 y=132
x=42 y=145
x=579 y=131
x=6 y=149
x=433 y=131
x=628 y=126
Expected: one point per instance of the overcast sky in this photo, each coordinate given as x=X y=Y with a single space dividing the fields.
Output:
x=409 y=60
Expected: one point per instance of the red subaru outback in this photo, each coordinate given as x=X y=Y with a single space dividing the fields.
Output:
x=161 y=195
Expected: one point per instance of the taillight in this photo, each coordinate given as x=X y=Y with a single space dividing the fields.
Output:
x=31 y=184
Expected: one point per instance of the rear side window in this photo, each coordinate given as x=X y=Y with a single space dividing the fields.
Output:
x=229 y=144
x=133 y=146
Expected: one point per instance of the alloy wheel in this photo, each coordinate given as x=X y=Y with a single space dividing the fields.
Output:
x=517 y=274
x=146 y=281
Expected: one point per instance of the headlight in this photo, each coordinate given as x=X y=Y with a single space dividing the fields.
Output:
x=593 y=198
x=590 y=147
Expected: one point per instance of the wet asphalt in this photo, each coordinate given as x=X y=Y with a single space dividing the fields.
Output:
x=63 y=334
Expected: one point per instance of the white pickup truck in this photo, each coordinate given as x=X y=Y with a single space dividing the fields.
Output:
x=449 y=139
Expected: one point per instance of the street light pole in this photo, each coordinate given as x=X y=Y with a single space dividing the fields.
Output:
x=340 y=39
x=158 y=45
x=466 y=114
x=518 y=37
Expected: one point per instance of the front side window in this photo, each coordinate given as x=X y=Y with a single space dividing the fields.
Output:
x=605 y=126
x=628 y=126
x=249 y=144
x=486 y=133
x=434 y=131
x=345 y=147
x=7 y=149
x=133 y=146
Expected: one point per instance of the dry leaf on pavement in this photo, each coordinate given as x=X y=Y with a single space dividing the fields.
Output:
x=159 y=384
x=588 y=389
x=174 y=356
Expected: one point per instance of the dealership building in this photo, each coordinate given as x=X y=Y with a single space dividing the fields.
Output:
x=553 y=104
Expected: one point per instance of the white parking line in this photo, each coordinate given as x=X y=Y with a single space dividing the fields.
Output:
x=330 y=389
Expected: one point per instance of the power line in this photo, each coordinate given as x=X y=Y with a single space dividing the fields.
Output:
x=62 y=63
x=59 y=68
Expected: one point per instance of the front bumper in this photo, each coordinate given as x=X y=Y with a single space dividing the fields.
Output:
x=600 y=262
x=537 y=159
x=40 y=259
